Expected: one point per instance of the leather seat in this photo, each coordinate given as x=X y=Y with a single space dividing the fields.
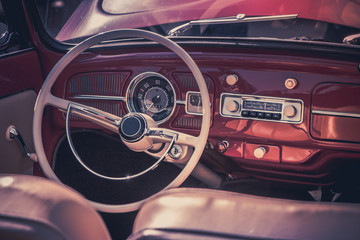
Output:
x=36 y=208
x=213 y=214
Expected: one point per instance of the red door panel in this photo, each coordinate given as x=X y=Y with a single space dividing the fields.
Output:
x=19 y=72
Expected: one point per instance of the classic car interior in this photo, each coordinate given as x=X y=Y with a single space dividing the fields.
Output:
x=166 y=120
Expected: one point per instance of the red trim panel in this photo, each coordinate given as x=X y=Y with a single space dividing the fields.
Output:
x=20 y=72
x=262 y=73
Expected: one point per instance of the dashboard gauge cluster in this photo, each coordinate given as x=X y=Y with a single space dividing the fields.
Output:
x=152 y=94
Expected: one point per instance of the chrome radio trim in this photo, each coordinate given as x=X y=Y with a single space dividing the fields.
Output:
x=262 y=99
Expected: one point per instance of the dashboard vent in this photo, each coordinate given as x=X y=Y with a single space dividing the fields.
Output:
x=187 y=81
x=97 y=83
x=110 y=107
x=192 y=122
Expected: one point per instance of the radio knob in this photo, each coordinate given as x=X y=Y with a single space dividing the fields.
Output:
x=259 y=152
x=290 y=111
x=232 y=106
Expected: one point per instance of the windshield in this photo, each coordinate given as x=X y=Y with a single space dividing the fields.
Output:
x=317 y=20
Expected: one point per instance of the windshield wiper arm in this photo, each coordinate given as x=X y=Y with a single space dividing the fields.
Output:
x=240 y=18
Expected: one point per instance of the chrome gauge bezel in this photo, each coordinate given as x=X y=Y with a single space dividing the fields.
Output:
x=130 y=91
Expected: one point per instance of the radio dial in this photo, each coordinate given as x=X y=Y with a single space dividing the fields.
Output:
x=232 y=106
x=290 y=111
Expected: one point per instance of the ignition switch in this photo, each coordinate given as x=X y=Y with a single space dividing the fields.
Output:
x=176 y=152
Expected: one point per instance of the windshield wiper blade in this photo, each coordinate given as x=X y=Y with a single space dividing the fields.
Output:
x=240 y=18
x=352 y=39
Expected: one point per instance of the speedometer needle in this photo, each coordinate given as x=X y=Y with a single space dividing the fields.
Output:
x=149 y=107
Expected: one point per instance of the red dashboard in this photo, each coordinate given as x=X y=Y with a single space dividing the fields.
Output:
x=325 y=89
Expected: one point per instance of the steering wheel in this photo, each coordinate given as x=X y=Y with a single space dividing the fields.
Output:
x=147 y=132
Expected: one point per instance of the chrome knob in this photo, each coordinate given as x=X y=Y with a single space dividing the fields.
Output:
x=232 y=106
x=290 y=111
x=231 y=79
x=259 y=152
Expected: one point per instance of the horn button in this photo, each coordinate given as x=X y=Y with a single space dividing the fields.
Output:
x=132 y=128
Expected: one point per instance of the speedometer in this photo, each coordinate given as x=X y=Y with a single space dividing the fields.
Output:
x=151 y=93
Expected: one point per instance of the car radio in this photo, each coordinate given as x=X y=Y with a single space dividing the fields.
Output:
x=261 y=108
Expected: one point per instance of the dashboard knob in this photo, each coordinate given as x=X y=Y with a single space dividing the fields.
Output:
x=232 y=106
x=222 y=146
x=259 y=152
x=231 y=79
x=290 y=83
x=290 y=111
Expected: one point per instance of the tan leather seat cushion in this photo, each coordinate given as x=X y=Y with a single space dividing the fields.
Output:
x=224 y=214
x=36 y=208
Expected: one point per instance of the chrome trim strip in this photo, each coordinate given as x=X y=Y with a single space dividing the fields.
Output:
x=16 y=52
x=98 y=97
x=95 y=114
x=181 y=102
x=334 y=113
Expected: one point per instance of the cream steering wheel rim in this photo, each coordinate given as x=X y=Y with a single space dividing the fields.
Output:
x=45 y=98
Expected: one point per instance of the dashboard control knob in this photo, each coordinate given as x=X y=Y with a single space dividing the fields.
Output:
x=221 y=147
x=290 y=83
x=259 y=152
x=290 y=111
x=232 y=106
x=232 y=79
